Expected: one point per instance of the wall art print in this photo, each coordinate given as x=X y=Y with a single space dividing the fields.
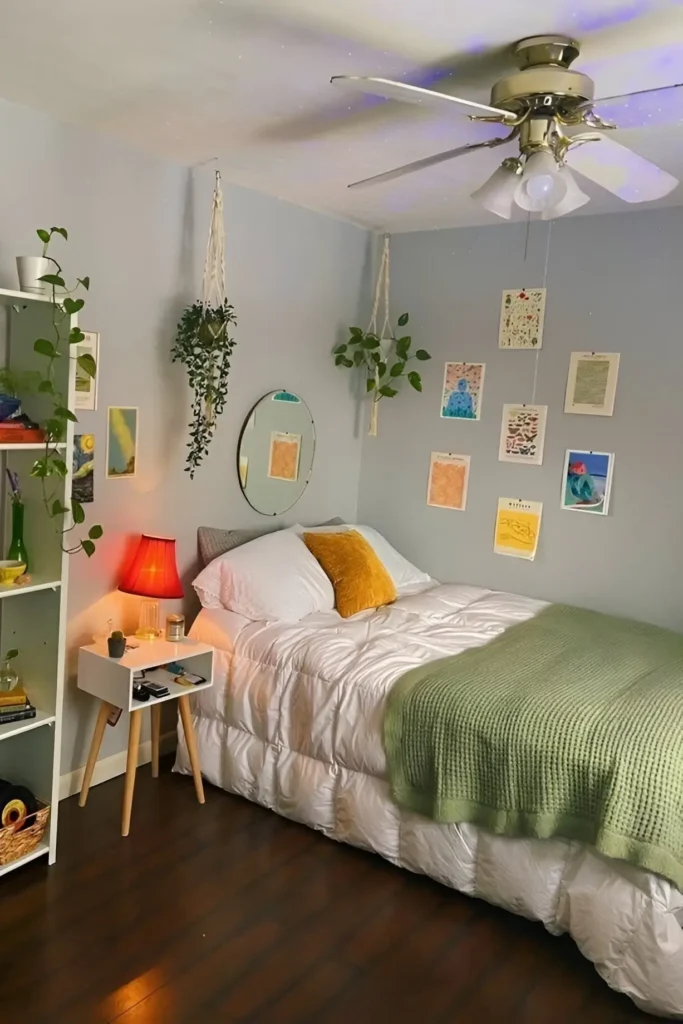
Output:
x=518 y=524
x=587 y=481
x=82 y=479
x=122 y=442
x=285 y=449
x=522 y=435
x=448 y=480
x=463 y=387
x=86 y=386
x=592 y=383
x=522 y=315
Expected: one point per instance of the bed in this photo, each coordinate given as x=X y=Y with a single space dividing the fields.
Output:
x=294 y=722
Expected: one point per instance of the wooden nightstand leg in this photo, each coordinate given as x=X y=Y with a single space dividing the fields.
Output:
x=131 y=767
x=191 y=740
x=156 y=733
x=100 y=726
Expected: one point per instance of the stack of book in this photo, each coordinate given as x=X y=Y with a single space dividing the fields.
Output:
x=15 y=706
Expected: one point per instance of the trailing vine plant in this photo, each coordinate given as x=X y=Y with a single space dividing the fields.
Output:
x=203 y=343
x=384 y=359
x=204 y=347
x=51 y=468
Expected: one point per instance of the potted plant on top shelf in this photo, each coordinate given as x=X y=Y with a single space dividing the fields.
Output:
x=32 y=269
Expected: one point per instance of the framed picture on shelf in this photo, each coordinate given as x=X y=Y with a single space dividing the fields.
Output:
x=122 y=442
x=86 y=386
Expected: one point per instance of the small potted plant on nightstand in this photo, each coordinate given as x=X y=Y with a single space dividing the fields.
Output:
x=116 y=644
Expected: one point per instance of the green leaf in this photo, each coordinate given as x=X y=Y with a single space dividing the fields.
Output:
x=339 y=360
x=397 y=369
x=340 y=349
x=95 y=532
x=85 y=281
x=405 y=341
x=415 y=380
x=87 y=363
x=388 y=392
x=376 y=358
x=422 y=355
x=65 y=414
x=60 y=231
x=88 y=547
x=54 y=279
x=358 y=357
x=356 y=331
x=78 y=512
x=370 y=342
x=370 y=384
x=72 y=306
x=381 y=369
x=14 y=653
x=55 y=429
x=76 y=335
x=403 y=319
x=44 y=348
x=346 y=362
x=58 y=509
x=60 y=466
x=46 y=387
x=43 y=235
x=41 y=468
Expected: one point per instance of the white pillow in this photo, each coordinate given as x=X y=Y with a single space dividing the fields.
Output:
x=273 y=577
x=405 y=575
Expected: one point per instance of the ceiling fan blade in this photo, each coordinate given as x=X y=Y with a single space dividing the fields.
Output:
x=641 y=109
x=416 y=94
x=431 y=161
x=621 y=171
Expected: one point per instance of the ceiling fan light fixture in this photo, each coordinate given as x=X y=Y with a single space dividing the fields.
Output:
x=542 y=186
x=574 y=198
x=498 y=193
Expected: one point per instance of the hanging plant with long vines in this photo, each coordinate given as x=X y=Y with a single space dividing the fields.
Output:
x=50 y=468
x=203 y=343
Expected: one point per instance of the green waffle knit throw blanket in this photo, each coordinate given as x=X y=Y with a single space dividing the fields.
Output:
x=570 y=724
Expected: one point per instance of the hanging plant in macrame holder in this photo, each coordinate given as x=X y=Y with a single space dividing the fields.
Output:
x=203 y=343
x=383 y=356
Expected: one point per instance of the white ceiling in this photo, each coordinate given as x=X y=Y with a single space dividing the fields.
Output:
x=248 y=81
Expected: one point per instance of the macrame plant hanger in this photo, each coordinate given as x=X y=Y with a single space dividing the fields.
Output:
x=213 y=287
x=381 y=292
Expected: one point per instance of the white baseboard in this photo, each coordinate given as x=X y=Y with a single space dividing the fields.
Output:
x=115 y=764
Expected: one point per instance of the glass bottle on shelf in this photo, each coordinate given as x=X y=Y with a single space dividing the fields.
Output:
x=9 y=677
x=17 y=549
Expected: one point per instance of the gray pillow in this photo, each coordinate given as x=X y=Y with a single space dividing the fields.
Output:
x=213 y=542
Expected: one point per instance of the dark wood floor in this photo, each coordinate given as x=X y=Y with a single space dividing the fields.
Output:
x=228 y=913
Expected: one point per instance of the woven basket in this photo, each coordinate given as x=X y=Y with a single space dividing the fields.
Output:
x=14 y=845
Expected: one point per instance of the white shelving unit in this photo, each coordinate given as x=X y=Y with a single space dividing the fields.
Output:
x=34 y=621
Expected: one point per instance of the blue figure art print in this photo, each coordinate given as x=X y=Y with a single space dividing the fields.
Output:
x=587 y=481
x=463 y=384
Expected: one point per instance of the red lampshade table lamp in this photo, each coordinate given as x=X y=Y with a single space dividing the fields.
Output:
x=152 y=575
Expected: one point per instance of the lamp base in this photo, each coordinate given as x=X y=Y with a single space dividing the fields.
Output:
x=148 y=627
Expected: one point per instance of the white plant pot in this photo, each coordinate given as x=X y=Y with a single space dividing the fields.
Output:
x=30 y=270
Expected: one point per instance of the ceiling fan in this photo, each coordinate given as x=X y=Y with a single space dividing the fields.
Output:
x=543 y=103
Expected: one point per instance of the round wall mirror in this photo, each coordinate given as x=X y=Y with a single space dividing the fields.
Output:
x=275 y=452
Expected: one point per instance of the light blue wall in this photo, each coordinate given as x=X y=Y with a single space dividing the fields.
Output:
x=138 y=227
x=615 y=283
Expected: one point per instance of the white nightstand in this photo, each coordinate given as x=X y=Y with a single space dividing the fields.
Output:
x=111 y=680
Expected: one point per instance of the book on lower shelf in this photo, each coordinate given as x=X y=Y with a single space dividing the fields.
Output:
x=17 y=713
x=12 y=698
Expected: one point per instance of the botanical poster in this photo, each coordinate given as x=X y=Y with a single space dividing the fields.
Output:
x=463 y=385
x=522 y=435
x=518 y=524
x=521 y=318
x=82 y=480
x=122 y=442
x=587 y=481
x=448 y=478
x=284 y=456
x=86 y=386
x=592 y=383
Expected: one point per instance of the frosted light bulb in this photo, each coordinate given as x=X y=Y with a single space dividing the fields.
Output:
x=540 y=187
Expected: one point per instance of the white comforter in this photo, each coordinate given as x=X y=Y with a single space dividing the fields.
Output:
x=294 y=722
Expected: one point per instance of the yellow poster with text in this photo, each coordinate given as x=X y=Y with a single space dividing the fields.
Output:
x=518 y=524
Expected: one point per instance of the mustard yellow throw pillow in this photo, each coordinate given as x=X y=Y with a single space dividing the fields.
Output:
x=359 y=579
